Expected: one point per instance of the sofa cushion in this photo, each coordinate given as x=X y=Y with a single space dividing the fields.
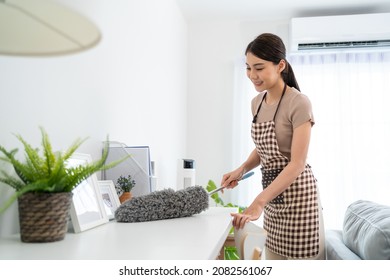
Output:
x=366 y=230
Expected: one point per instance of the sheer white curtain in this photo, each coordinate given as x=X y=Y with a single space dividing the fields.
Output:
x=349 y=150
x=242 y=141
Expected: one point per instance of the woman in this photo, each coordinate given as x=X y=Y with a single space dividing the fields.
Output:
x=281 y=127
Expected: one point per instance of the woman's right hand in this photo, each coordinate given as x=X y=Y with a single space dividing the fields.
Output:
x=230 y=180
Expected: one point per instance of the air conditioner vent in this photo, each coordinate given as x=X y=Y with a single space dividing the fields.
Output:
x=342 y=45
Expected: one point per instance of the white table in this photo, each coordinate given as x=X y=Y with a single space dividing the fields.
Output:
x=199 y=237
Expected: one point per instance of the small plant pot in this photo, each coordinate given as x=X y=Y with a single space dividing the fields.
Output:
x=43 y=217
x=125 y=197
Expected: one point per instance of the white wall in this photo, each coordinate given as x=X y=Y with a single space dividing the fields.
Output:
x=132 y=87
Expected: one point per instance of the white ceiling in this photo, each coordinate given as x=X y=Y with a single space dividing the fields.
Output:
x=266 y=10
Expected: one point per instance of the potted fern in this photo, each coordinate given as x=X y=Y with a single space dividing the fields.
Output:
x=43 y=186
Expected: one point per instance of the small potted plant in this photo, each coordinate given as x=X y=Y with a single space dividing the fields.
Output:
x=43 y=185
x=124 y=185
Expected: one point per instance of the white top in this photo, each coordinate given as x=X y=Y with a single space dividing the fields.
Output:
x=199 y=237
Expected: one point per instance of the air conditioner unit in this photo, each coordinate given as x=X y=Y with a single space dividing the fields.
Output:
x=364 y=31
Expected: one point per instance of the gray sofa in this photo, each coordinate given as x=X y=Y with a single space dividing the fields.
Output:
x=365 y=234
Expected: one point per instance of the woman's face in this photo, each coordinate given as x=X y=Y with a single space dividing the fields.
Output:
x=263 y=74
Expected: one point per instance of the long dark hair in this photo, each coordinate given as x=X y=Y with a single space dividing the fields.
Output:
x=270 y=47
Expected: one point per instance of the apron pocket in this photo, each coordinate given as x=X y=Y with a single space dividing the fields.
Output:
x=268 y=175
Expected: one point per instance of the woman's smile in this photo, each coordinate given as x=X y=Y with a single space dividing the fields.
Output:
x=258 y=85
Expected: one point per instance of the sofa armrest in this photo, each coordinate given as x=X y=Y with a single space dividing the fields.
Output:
x=335 y=247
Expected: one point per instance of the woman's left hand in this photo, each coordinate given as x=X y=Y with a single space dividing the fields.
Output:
x=252 y=213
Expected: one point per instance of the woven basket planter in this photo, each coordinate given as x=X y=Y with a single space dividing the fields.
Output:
x=43 y=217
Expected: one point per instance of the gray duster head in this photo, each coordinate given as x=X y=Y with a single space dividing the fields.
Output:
x=164 y=204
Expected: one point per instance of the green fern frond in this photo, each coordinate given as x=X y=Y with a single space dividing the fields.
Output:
x=50 y=158
x=15 y=183
x=72 y=149
x=33 y=159
x=20 y=168
x=76 y=175
x=58 y=171
x=7 y=154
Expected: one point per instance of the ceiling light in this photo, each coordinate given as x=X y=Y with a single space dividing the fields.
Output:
x=42 y=27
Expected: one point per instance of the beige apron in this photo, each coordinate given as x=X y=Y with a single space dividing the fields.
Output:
x=291 y=219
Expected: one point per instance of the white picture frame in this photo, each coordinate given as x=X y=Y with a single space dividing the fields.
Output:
x=110 y=197
x=138 y=165
x=87 y=209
